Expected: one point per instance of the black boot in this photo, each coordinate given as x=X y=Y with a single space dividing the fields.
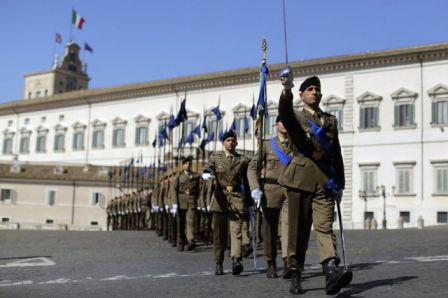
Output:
x=335 y=279
x=272 y=270
x=191 y=245
x=286 y=271
x=219 y=270
x=296 y=283
x=237 y=267
x=248 y=250
x=180 y=247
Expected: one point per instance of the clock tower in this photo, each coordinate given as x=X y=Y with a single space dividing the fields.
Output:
x=68 y=75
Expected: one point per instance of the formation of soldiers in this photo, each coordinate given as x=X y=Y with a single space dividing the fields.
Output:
x=295 y=179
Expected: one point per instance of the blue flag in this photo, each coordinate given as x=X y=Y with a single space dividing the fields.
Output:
x=221 y=135
x=182 y=114
x=197 y=131
x=87 y=48
x=233 y=125
x=190 y=138
x=204 y=124
x=217 y=113
x=171 y=122
x=262 y=101
x=253 y=112
x=246 y=124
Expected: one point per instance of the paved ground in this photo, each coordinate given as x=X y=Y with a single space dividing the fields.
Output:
x=393 y=263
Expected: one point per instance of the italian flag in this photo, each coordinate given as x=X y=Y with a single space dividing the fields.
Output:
x=77 y=20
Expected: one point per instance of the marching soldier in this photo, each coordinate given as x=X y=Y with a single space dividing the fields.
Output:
x=109 y=214
x=172 y=216
x=186 y=192
x=230 y=201
x=314 y=179
x=275 y=154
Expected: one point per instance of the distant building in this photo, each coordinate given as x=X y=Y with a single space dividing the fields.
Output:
x=392 y=108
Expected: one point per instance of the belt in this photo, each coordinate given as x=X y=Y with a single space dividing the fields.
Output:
x=270 y=181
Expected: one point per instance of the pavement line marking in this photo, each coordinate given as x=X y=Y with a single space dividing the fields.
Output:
x=9 y=283
x=41 y=261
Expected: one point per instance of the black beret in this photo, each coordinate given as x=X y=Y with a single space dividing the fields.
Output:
x=229 y=134
x=277 y=119
x=187 y=159
x=311 y=81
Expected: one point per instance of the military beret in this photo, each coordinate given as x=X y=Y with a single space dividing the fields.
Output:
x=229 y=134
x=187 y=159
x=311 y=81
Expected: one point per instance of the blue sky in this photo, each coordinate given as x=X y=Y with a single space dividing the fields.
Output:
x=137 y=40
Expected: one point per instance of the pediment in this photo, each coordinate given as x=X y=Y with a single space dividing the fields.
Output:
x=241 y=108
x=8 y=132
x=118 y=121
x=79 y=125
x=141 y=118
x=163 y=116
x=98 y=122
x=25 y=130
x=439 y=90
x=42 y=129
x=403 y=93
x=332 y=100
x=272 y=105
x=59 y=127
x=368 y=96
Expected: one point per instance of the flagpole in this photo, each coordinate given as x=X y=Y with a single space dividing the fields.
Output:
x=253 y=126
x=244 y=131
x=216 y=136
x=70 y=34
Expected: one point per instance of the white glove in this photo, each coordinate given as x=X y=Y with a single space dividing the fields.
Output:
x=198 y=208
x=160 y=209
x=208 y=208
x=287 y=78
x=206 y=176
x=166 y=207
x=256 y=195
x=174 y=209
x=139 y=210
x=204 y=209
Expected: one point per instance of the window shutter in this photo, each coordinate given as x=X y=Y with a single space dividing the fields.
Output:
x=362 y=118
x=434 y=112
x=397 y=115
x=114 y=137
x=138 y=141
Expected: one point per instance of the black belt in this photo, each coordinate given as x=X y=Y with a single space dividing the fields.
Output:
x=270 y=181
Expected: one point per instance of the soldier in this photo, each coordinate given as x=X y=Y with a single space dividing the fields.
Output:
x=109 y=214
x=230 y=201
x=186 y=193
x=172 y=216
x=314 y=179
x=275 y=152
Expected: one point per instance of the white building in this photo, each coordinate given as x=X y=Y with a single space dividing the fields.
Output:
x=392 y=106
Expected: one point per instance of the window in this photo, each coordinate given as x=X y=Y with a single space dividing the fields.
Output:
x=369 y=111
x=211 y=125
x=5 y=219
x=37 y=94
x=369 y=215
x=24 y=144
x=98 y=139
x=404 y=177
x=93 y=223
x=404 y=109
x=188 y=127
x=118 y=137
x=442 y=217
x=10 y=123
x=27 y=121
x=369 y=174
x=6 y=195
x=334 y=105
x=141 y=135
x=41 y=143
x=7 y=145
x=49 y=221
x=78 y=140
x=242 y=126
x=59 y=142
x=29 y=95
x=51 y=197
x=269 y=128
x=441 y=179
x=96 y=198
x=439 y=98
x=406 y=216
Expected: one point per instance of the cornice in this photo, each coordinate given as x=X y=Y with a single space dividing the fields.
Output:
x=343 y=63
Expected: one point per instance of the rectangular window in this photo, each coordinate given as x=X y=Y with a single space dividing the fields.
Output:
x=368 y=117
x=96 y=196
x=78 y=140
x=141 y=135
x=369 y=215
x=59 y=142
x=268 y=124
x=49 y=221
x=5 y=219
x=442 y=217
x=369 y=181
x=404 y=181
x=441 y=181
x=7 y=146
x=440 y=112
x=24 y=144
x=93 y=223
x=118 y=137
x=338 y=114
x=406 y=216
x=188 y=127
x=98 y=139
x=404 y=115
x=41 y=143
x=6 y=195
x=51 y=197
x=211 y=126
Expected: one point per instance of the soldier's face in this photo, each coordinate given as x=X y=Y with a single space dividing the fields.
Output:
x=311 y=96
x=280 y=127
x=186 y=166
x=230 y=144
